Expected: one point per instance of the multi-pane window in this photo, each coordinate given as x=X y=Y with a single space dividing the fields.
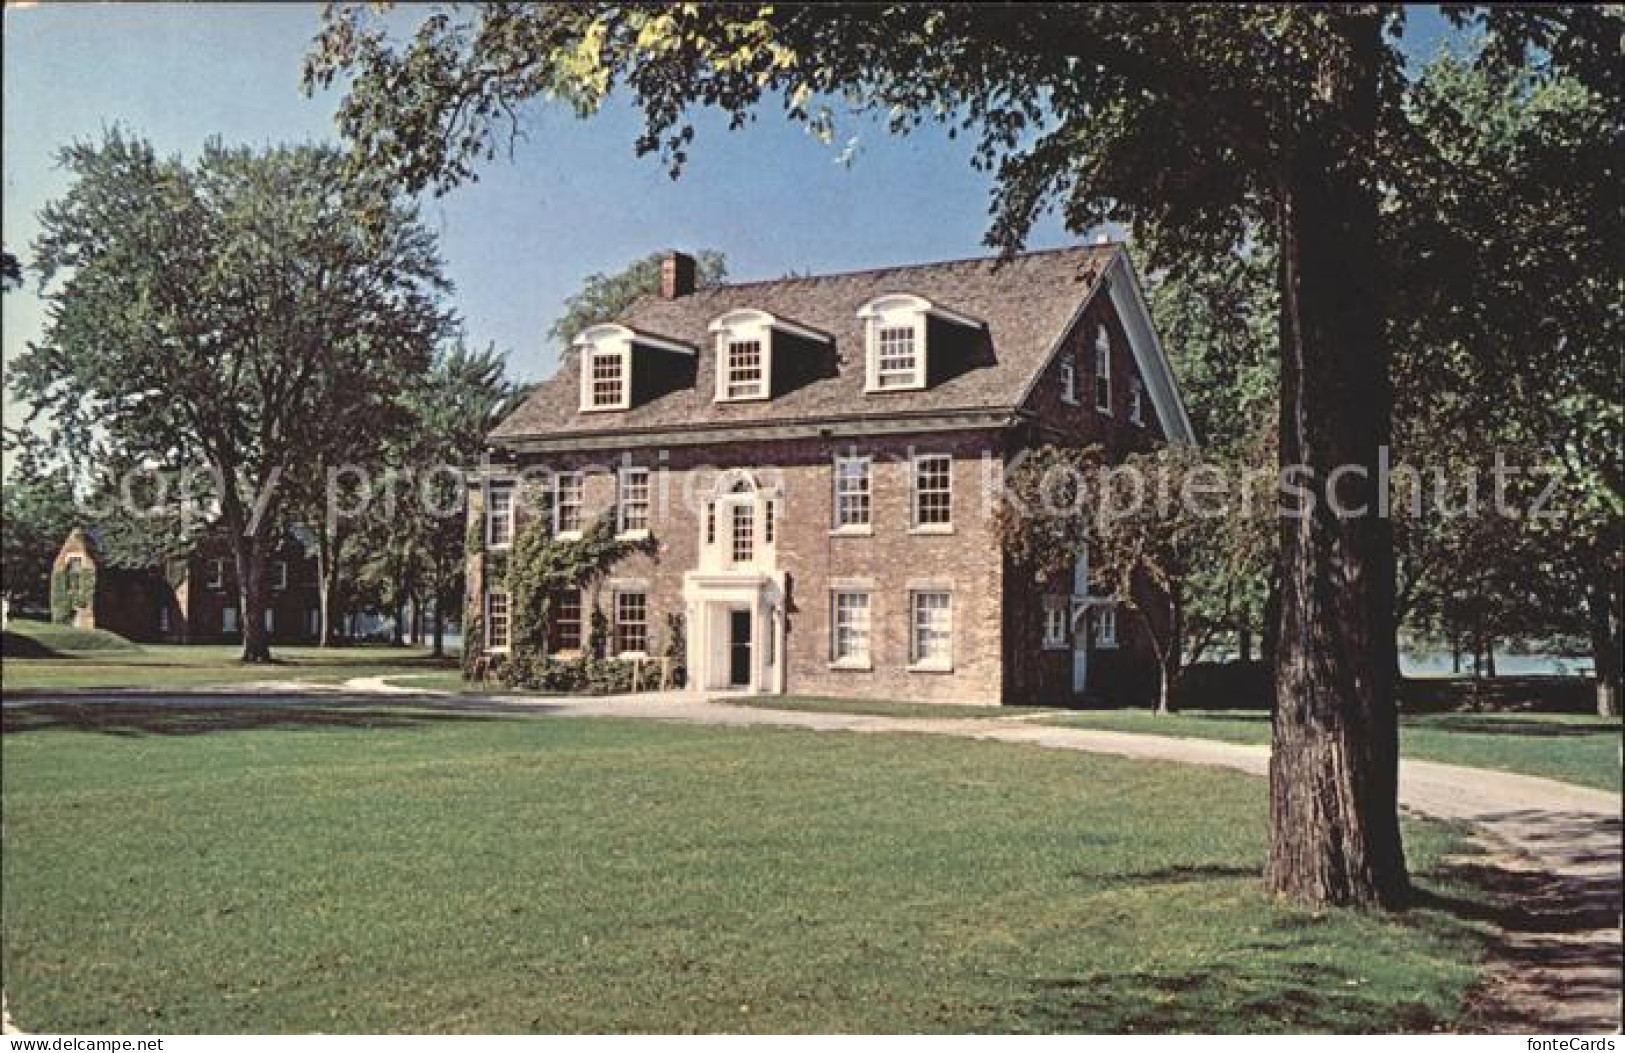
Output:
x=279 y=575
x=849 y=641
x=710 y=522
x=744 y=532
x=933 y=490
x=1103 y=371
x=1069 y=381
x=631 y=622
x=567 y=620
x=932 y=619
x=633 y=505
x=163 y=619
x=499 y=515
x=567 y=502
x=1105 y=626
x=851 y=492
x=1136 y=401
x=770 y=515
x=746 y=378
x=1055 y=625
x=496 y=620
x=898 y=364
x=608 y=389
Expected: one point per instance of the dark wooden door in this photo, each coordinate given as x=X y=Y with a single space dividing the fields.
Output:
x=739 y=648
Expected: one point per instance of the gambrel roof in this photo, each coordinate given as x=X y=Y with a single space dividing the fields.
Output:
x=1022 y=309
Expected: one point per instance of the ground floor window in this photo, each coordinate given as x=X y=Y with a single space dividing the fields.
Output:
x=1055 y=625
x=1105 y=626
x=496 y=621
x=228 y=620
x=567 y=621
x=631 y=623
x=850 y=628
x=932 y=635
x=163 y=619
x=270 y=620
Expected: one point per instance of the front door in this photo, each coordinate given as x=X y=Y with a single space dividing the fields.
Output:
x=739 y=648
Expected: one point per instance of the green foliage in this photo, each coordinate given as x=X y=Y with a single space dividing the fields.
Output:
x=72 y=591
x=604 y=297
x=677 y=647
x=597 y=631
x=38 y=510
x=26 y=638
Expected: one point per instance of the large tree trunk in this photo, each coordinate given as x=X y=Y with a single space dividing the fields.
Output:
x=328 y=547
x=1334 y=817
x=1604 y=603
x=249 y=556
x=439 y=650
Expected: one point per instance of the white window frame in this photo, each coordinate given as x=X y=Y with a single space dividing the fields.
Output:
x=490 y=621
x=269 y=620
x=229 y=620
x=917 y=660
x=1136 y=401
x=279 y=576
x=894 y=313
x=621 y=359
x=736 y=388
x=1103 y=371
x=507 y=518
x=747 y=325
x=1105 y=620
x=578 y=480
x=741 y=512
x=859 y=629
x=1056 y=617
x=629 y=480
x=916 y=525
x=163 y=617
x=217 y=575
x=1069 y=381
x=617 y=623
x=861 y=497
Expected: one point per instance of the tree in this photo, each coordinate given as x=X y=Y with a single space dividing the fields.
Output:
x=11 y=272
x=219 y=313
x=38 y=512
x=603 y=297
x=1193 y=123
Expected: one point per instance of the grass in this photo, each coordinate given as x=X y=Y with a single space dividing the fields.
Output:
x=356 y=870
x=156 y=666
x=25 y=636
x=1567 y=747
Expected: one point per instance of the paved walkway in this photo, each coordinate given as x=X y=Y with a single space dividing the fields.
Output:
x=1552 y=876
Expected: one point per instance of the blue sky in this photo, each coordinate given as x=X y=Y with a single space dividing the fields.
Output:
x=574 y=199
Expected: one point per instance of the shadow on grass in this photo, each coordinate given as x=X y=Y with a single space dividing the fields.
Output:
x=230 y=714
x=1474 y=724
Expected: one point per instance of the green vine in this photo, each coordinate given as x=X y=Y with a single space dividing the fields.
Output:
x=71 y=592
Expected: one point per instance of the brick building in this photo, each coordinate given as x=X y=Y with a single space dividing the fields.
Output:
x=191 y=599
x=818 y=460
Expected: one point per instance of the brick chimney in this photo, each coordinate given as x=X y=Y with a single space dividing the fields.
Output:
x=676 y=275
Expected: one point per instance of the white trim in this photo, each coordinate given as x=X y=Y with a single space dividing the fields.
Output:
x=866 y=659
x=1105 y=614
x=1069 y=380
x=1102 y=371
x=580 y=503
x=866 y=526
x=512 y=490
x=944 y=664
x=279 y=580
x=910 y=303
x=747 y=317
x=915 y=526
x=507 y=614
x=1056 y=609
x=1135 y=317
x=608 y=339
x=621 y=529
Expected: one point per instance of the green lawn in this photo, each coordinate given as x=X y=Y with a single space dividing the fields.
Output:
x=908 y=710
x=352 y=870
x=1568 y=747
x=205 y=665
x=27 y=636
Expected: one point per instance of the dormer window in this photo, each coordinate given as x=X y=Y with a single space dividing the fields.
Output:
x=897 y=347
x=746 y=342
x=609 y=355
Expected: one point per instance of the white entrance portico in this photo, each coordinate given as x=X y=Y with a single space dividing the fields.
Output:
x=734 y=600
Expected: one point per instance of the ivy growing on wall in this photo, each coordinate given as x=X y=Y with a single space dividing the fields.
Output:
x=71 y=592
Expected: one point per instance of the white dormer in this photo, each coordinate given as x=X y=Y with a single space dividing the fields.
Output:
x=895 y=331
x=744 y=341
x=606 y=360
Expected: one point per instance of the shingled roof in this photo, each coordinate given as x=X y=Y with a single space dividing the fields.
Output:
x=1027 y=303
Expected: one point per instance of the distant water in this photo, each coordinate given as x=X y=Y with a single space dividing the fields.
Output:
x=1437 y=663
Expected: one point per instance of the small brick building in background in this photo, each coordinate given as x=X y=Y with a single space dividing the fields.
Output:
x=818 y=460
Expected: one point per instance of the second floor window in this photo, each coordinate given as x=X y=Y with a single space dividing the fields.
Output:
x=631 y=623
x=1055 y=625
x=851 y=492
x=217 y=574
x=279 y=575
x=1103 y=371
x=746 y=377
x=744 y=533
x=567 y=487
x=1105 y=626
x=633 y=505
x=608 y=380
x=1136 y=401
x=933 y=491
x=499 y=516
x=1069 y=381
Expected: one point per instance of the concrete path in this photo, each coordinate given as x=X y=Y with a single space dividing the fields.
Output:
x=1551 y=875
